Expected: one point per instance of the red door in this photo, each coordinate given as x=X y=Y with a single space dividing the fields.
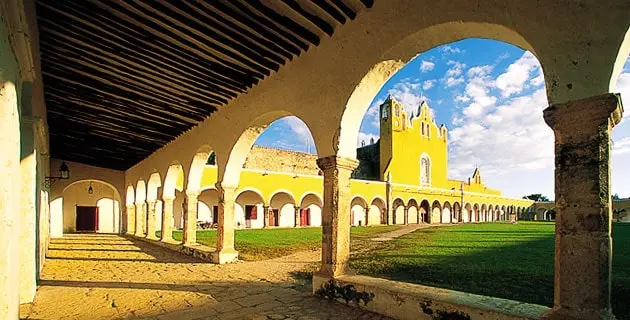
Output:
x=273 y=217
x=304 y=217
x=87 y=219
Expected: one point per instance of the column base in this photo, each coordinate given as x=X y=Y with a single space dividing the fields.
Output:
x=568 y=314
x=225 y=256
x=152 y=237
x=319 y=279
x=140 y=235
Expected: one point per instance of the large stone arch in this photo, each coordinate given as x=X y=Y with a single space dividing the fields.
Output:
x=398 y=211
x=408 y=43
x=195 y=172
x=457 y=212
x=378 y=211
x=484 y=213
x=436 y=212
x=131 y=196
x=425 y=211
x=311 y=205
x=475 y=213
x=620 y=60
x=358 y=210
x=447 y=213
x=413 y=208
x=154 y=183
x=282 y=209
x=174 y=180
x=239 y=151
x=467 y=215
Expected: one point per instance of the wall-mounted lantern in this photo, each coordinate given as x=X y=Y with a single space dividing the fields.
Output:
x=90 y=190
x=64 y=174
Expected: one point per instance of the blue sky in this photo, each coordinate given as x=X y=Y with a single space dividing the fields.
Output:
x=490 y=95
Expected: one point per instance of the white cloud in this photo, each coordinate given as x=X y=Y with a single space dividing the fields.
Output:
x=479 y=71
x=456 y=68
x=428 y=84
x=450 y=49
x=426 y=66
x=365 y=137
x=462 y=98
x=452 y=81
x=409 y=94
x=515 y=78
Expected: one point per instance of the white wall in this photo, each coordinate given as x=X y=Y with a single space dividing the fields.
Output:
x=287 y=215
x=56 y=218
x=465 y=215
x=108 y=215
x=103 y=197
x=375 y=215
x=446 y=215
x=400 y=215
x=316 y=215
x=413 y=215
x=359 y=215
x=435 y=215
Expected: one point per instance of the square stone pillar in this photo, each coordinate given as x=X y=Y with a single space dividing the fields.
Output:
x=190 y=219
x=225 y=252
x=366 y=211
x=335 y=220
x=167 y=220
x=406 y=217
x=140 y=219
x=151 y=221
x=131 y=219
x=583 y=256
x=297 y=216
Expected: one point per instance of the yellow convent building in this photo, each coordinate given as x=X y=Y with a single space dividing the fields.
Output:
x=402 y=178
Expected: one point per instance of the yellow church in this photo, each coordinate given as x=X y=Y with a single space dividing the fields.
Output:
x=402 y=179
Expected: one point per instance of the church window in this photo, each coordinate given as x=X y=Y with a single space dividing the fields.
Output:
x=422 y=128
x=397 y=111
x=428 y=131
x=385 y=115
x=425 y=171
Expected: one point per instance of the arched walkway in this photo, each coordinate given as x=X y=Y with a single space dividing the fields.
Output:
x=249 y=211
x=311 y=210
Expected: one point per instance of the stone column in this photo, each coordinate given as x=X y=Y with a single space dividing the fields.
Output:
x=190 y=219
x=225 y=252
x=265 y=216
x=167 y=220
x=366 y=211
x=406 y=216
x=583 y=206
x=151 y=227
x=131 y=219
x=335 y=220
x=140 y=219
x=297 y=216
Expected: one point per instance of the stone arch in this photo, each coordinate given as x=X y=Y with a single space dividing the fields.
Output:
x=484 y=213
x=447 y=213
x=475 y=213
x=196 y=169
x=131 y=196
x=378 y=211
x=425 y=211
x=141 y=191
x=436 y=212
x=398 y=55
x=358 y=206
x=619 y=61
x=249 y=206
x=413 y=211
x=282 y=209
x=497 y=213
x=154 y=183
x=239 y=151
x=398 y=211
x=104 y=195
x=503 y=213
x=468 y=215
x=311 y=205
x=208 y=207
x=174 y=180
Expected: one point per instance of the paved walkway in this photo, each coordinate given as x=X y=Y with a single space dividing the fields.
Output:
x=406 y=229
x=111 y=277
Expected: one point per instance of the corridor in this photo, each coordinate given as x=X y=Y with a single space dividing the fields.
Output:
x=112 y=277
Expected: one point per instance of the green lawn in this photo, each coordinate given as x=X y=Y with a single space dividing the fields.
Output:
x=262 y=244
x=502 y=260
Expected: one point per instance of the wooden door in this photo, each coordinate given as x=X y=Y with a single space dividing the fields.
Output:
x=274 y=218
x=87 y=219
x=304 y=217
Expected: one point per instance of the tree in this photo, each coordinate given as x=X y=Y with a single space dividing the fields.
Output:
x=619 y=214
x=615 y=196
x=537 y=197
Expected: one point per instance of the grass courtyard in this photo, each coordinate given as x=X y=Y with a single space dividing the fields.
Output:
x=502 y=260
x=262 y=244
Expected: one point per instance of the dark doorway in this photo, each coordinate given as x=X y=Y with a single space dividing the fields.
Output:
x=87 y=219
x=274 y=218
x=215 y=214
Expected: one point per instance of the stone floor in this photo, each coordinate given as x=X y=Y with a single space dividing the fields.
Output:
x=111 y=277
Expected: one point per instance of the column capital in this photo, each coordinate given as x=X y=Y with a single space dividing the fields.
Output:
x=151 y=202
x=332 y=162
x=222 y=187
x=132 y=205
x=592 y=111
x=168 y=198
x=139 y=203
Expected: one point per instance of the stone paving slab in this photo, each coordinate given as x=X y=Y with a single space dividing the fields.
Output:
x=96 y=277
